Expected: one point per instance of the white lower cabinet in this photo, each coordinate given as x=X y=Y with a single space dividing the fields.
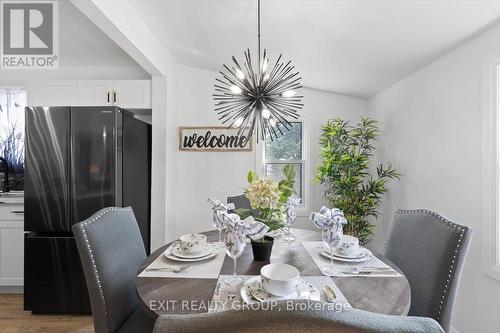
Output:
x=11 y=241
x=11 y=253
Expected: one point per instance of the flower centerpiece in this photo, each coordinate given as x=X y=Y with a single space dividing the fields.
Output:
x=268 y=200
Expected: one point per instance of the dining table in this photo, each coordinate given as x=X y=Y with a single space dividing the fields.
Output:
x=380 y=294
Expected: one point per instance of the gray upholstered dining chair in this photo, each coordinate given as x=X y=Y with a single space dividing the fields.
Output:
x=280 y=318
x=240 y=201
x=111 y=250
x=430 y=250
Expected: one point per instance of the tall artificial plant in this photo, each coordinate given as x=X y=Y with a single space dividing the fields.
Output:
x=349 y=184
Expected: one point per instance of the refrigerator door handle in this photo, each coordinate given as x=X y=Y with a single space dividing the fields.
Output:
x=108 y=96
x=114 y=97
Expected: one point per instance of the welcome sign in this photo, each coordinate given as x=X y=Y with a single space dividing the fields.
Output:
x=213 y=139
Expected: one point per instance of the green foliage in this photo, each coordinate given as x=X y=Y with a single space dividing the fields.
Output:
x=272 y=217
x=286 y=185
x=345 y=173
x=287 y=146
x=252 y=176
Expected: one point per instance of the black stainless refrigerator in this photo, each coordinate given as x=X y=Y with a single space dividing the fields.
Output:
x=78 y=160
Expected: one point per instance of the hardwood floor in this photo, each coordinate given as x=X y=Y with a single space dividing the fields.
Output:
x=13 y=319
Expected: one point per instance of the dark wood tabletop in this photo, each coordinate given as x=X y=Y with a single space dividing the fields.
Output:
x=387 y=295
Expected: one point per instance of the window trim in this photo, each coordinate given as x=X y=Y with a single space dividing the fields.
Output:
x=490 y=217
x=260 y=165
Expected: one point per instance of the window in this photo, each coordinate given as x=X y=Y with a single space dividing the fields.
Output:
x=490 y=168
x=288 y=148
x=12 y=104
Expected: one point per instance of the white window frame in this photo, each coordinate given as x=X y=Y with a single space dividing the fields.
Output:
x=490 y=168
x=260 y=165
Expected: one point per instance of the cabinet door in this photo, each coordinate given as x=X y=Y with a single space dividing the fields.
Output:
x=132 y=94
x=11 y=253
x=52 y=93
x=95 y=92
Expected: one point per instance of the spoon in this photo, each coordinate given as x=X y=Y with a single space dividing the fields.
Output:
x=329 y=294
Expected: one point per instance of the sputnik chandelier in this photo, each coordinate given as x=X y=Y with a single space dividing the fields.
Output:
x=258 y=102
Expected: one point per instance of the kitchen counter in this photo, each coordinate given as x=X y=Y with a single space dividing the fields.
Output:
x=12 y=197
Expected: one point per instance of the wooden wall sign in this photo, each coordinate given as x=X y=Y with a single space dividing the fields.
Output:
x=213 y=139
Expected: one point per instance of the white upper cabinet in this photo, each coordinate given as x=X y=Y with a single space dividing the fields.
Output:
x=95 y=92
x=127 y=94
x=52 y=93
x=132 y=94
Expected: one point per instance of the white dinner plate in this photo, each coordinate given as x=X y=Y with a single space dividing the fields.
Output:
x=169 y=255
x=179 y=252
x=252 y=291
x=367 y=255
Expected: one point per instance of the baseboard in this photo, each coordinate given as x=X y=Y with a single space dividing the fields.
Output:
x=453 y=330
x=11 y=289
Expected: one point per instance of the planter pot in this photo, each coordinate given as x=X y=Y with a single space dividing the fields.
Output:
x=262 y=248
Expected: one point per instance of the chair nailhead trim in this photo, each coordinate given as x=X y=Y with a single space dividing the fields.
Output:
x=451 y=271
x=94 y=266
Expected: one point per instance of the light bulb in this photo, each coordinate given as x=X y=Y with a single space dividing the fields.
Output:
x=264 y=65
x=272 y=122
x=240 y=74
x=235 y=90
x=238 y=122
x=288 y=93
x=266 y=77
x=266 y=114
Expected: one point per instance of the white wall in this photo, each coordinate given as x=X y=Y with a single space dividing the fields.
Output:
x=198 y=175
x=431 y=126
x=85 y=52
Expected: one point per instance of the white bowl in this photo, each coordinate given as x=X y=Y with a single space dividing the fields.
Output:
x=279 y=279
x=193 y=243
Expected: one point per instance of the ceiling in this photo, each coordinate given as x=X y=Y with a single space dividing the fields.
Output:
x=356 y=48
x=82 y=43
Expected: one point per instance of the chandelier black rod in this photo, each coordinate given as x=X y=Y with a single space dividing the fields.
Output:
x=258 y=35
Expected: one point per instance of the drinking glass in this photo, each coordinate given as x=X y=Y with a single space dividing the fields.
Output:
x=234 y=244
x=289 y=237
x=332 y=237
x=219 y=228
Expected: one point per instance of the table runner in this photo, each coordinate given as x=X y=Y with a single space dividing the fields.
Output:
x=343 y=267
x=205 y=269
x=221 y=302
